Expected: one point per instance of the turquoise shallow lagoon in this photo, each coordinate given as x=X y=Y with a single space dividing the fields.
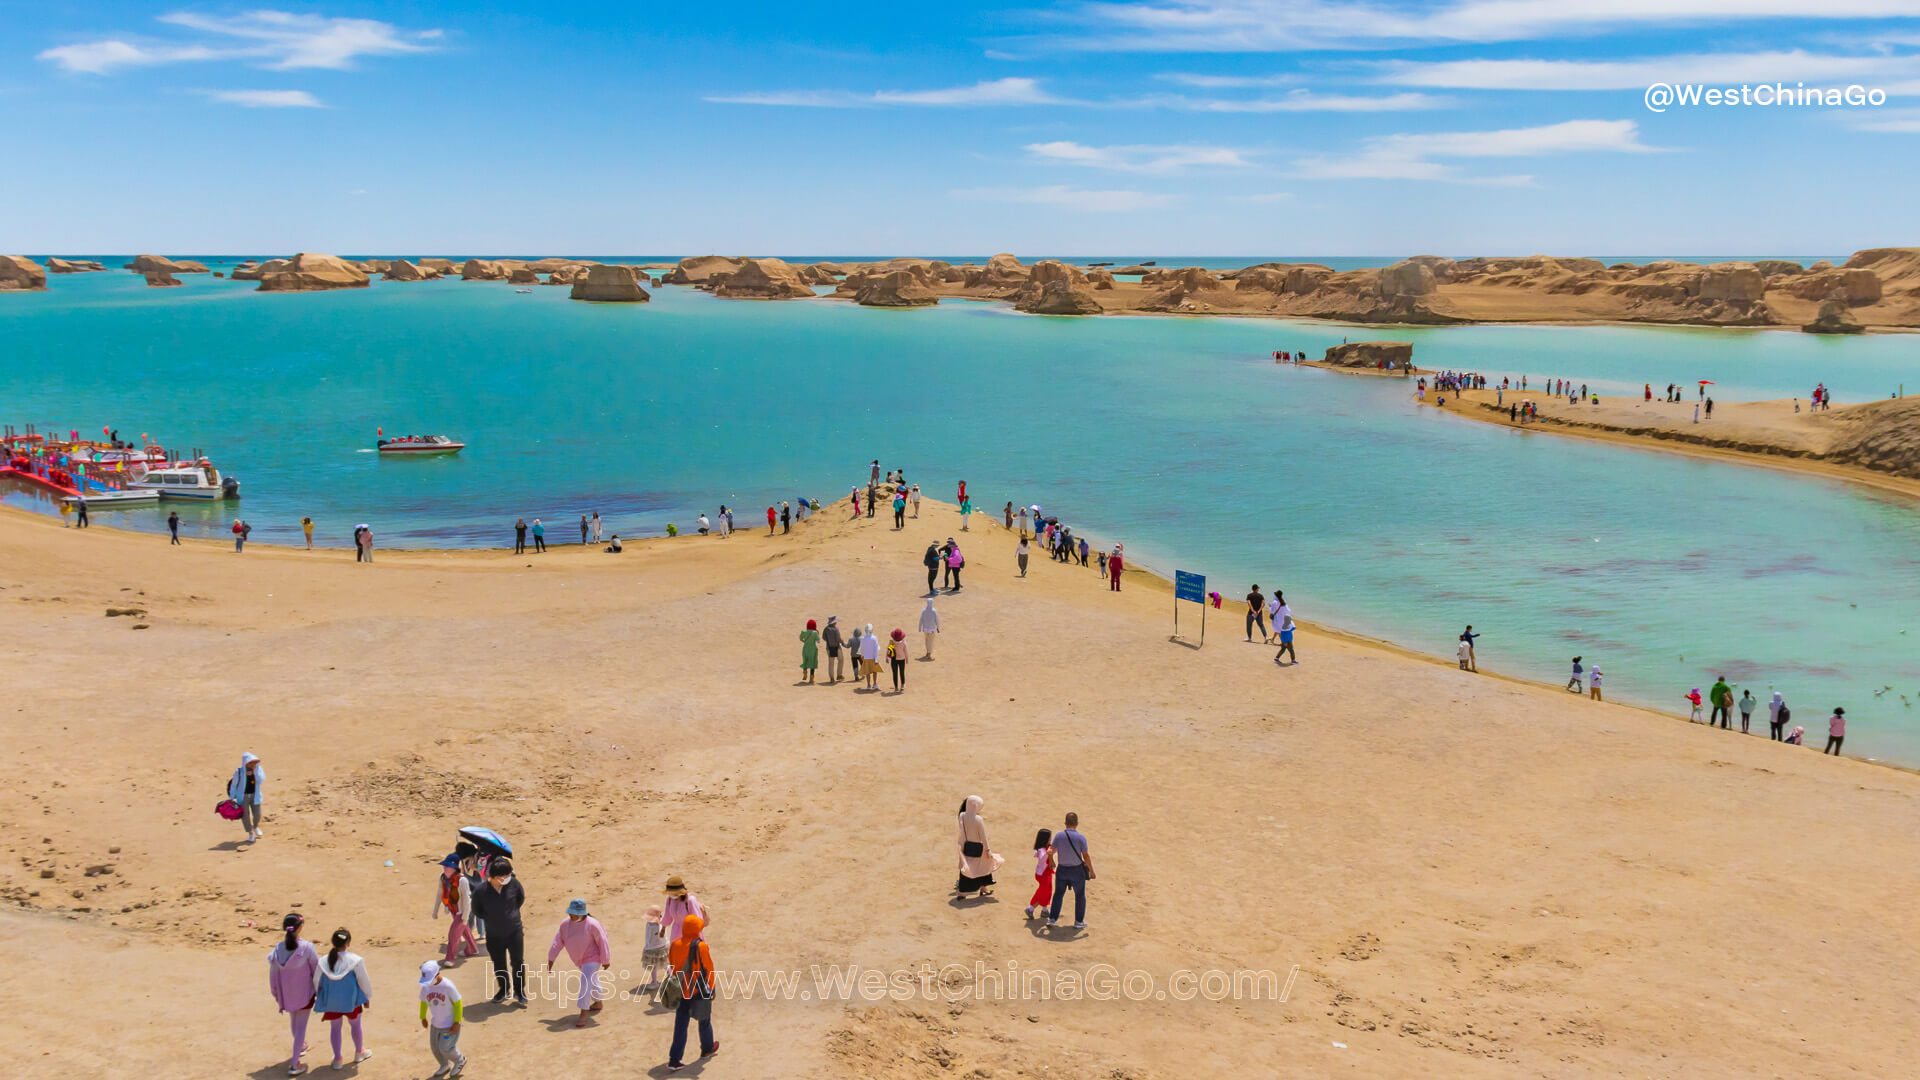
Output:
x=1178 y=436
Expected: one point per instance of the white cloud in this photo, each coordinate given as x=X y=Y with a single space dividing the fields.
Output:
x=1788 y=67
x=1888 y=121
x=1228 y=82
x=1283 y=25
x=1270 y=196
x=266 y=99
x=1095 y=202
x=1139 y=159
x=1303 y=100
x=1010 y=91
x=272 y=39
x=1411 y=157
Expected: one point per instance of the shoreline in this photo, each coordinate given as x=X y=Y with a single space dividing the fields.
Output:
x=1777 y=456
x=1135 y=573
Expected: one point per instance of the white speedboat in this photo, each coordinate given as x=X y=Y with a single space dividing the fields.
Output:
x=187 y=480
x=418 y=445
x=108 y=500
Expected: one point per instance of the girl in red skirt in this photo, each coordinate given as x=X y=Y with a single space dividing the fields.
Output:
x=1042 y=873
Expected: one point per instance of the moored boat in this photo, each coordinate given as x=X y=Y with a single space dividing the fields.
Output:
x=186 y=480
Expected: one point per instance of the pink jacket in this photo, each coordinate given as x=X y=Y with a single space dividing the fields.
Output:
x=291 y=975
x=585 y=942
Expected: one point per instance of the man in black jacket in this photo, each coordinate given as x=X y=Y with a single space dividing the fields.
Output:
x=497 y=903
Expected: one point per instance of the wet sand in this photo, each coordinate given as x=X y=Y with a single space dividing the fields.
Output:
x=1477 y=877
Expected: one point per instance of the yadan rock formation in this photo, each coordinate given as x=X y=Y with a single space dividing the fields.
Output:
x=763 y=279
x=700 y=269
x=310 y=272
x=893 y=288
x=73 y=266
x=522 y=275
x=483 y=270
x=1054 y=288
x=21 y=274
x=402 y=270
x=609 y=283
x=146 y=264
x=1835 y=317
x=160 y=279
x=1371 y=354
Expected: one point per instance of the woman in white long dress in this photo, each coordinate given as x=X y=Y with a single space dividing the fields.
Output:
x=929 y=625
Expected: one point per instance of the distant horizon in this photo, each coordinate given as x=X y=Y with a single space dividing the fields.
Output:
x=975 y=258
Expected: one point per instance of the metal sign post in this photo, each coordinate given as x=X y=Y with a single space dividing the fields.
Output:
x=1189 y=586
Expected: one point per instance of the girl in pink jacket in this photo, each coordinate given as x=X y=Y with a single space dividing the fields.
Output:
x=292 y=967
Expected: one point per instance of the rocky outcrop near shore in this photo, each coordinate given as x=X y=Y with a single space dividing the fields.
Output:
x=483 y=270
x=1054 y=288
x=402 y=270
x=1001 y=277
x=21 y=274
x=892 y=289
x=443 y=266
x=763 y=279
x=1372 y=354
x=1189 y=290
x=700 y=269
x=145 y=264
x=1835 y=317
x=160 y=279
x=522 y=275
x=570 y=273
x=312 y=272
x=608 y=283
x=73 y=266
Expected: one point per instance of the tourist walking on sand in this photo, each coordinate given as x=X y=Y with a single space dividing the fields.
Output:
x=693 y=975
x=498 y=902
x=934 y=559
x=873 y=496
x=1593 y=684
x=955 y=561
x=1469 y=637
x=1692 y=697
x=173 y=528
x=520 y=534
x=809 y=651
x=306 y=530
x=247 y=788
x=786 y=517
x=453 y=895
x=292 y=967
x=897 y=658
x=1283 y=628
x=929 y=625
x=1043 y=871
x=1777 y=716
x=654 y=956
x=1007 y=514
x=914 y=497
x=539 y=535
x=342 y=989
x=1020 y=552
x=366 y=544
x=1074 y=870
x=80 y=505
x=899 y=509
x=1576 y=682
x=585 y=942
x=870 y=657
x=831 y=638
x=596 y=526
x=966 y=513
x=1747 y=702
x=441 y=1013
x=1721 y=697
x=240 y=531
x=679 y=904
x=1257 y=613
x=773 y=518
x=586 y=529
x=977 y=860
x=1836 y=731
x=1113 y=569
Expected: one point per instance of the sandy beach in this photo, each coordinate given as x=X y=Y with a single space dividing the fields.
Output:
x=1476 y=877
x=1876 y=443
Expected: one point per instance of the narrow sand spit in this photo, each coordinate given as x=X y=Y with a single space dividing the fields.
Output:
x=1476 y=877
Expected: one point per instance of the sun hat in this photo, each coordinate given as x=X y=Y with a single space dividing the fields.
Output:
x=899 y=634
x=429 y=971
x=576 y=906
x=451 y=860
x=674 y=884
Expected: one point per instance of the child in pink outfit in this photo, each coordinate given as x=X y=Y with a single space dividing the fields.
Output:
x=292 y=967
x=453 y=894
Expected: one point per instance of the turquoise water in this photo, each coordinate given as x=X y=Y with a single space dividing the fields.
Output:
x=1178 y=436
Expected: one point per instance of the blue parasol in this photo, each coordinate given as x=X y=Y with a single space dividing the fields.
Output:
x=487 y=840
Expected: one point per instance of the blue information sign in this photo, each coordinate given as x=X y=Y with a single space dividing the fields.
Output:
x=1189 y=586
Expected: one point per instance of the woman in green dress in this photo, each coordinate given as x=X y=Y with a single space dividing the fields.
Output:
x=809 y=651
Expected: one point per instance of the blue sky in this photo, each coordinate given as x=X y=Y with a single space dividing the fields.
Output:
x=1231 y=127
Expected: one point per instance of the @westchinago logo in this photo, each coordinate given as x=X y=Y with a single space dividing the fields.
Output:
x=1661 y=96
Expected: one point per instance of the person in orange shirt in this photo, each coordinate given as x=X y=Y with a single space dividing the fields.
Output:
x=692 y=967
